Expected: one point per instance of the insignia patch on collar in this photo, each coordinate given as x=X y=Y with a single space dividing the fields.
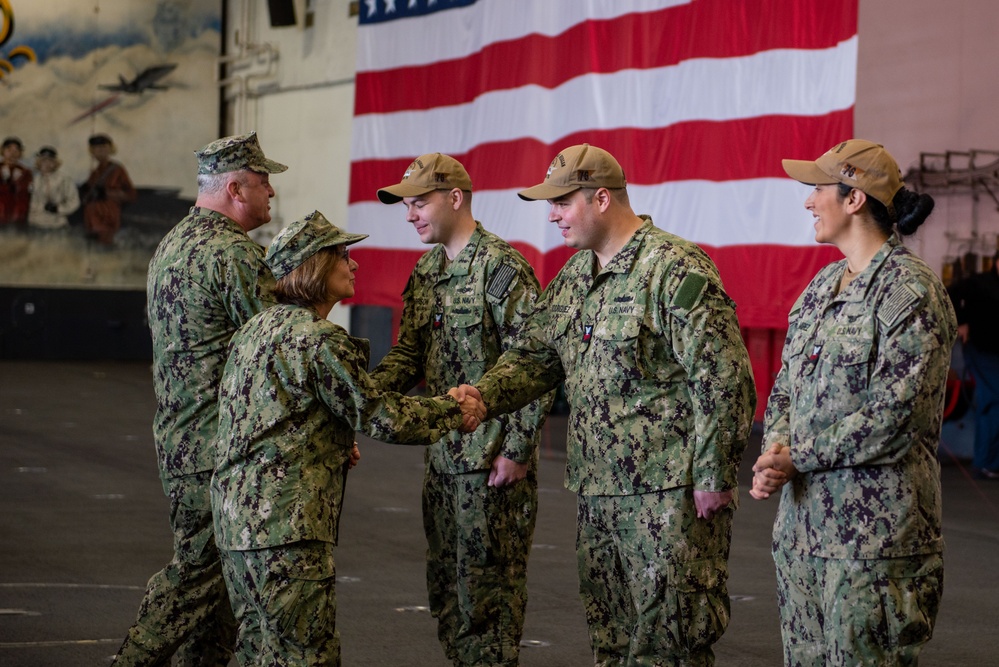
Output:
x=499 y=284
x=899 y=303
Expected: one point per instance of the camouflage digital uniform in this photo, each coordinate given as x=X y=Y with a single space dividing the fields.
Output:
x=457 y=319
x=205 y=280
x=859 y=400
x=662 y=401
x=294 y=390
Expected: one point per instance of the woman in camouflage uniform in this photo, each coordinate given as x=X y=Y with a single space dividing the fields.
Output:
x=293 y=392
x=853 y=423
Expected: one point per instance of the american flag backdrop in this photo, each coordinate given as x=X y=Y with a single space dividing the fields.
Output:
x=698 y=99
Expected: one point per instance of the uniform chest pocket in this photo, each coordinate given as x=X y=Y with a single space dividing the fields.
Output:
x=466 y=328
x=614 y=348
x=798 y=351
x=560 y=332
x=844 y=368
x=558 y=328
x=420 y=313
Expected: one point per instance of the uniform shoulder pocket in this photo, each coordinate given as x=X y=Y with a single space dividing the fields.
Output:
x=898 y=303
x=502 y=280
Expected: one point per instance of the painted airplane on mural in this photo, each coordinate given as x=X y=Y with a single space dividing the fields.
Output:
x=147 y=79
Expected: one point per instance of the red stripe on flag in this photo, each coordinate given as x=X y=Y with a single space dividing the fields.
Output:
x=711 y=151
x=632 y=41
x=765 y=280
x=382 y=273
x=780 y=272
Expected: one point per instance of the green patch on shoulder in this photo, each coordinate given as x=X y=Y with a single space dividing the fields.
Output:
x=690 y=291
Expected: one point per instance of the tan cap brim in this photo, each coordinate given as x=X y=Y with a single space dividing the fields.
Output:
x=807 y=172
x=546 y=191
x=395 y=193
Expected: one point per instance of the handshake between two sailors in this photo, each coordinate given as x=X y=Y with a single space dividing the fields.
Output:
x=473 y=410
x=503 y=471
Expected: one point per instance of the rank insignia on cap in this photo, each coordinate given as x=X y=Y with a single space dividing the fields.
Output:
x=438 y=320
x=587 y=333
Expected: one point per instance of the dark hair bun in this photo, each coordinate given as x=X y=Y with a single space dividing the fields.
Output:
x=912 y=209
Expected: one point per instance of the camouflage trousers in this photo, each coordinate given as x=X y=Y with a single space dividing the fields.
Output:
x=652 y=578
x=856 y=612
x=186 y=608
x=478 y=541
x=285 y=602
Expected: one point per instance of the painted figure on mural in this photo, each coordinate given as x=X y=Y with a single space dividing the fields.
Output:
x=54 y=195
x=107 y=189
x=15 y=184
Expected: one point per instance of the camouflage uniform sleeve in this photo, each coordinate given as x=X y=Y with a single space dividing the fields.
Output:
x=348 y=391
x=527 y=370
x=511 y=295
x=245 y=282
x=708 y=344
x=776 y=420
x=401 y=368
x=915 y=332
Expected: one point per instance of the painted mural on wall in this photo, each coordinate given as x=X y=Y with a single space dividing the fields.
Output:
x=102 y=104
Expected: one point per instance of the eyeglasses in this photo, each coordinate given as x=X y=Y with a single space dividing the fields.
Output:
x=344 y=253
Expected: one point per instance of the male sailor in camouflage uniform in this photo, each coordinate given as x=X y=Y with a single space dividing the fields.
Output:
x=853 y=425
x=293 y=392
x=662 y=401
x=206 y=279
x=465 y=303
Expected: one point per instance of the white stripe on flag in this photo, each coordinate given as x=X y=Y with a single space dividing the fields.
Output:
x=462 y=31
x=760 y=211
x=702 y=89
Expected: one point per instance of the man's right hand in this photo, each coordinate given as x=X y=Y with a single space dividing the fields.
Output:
x=467 y=390
x=473 y=410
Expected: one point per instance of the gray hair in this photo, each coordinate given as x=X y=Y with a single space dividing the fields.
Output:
x=212 y=184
